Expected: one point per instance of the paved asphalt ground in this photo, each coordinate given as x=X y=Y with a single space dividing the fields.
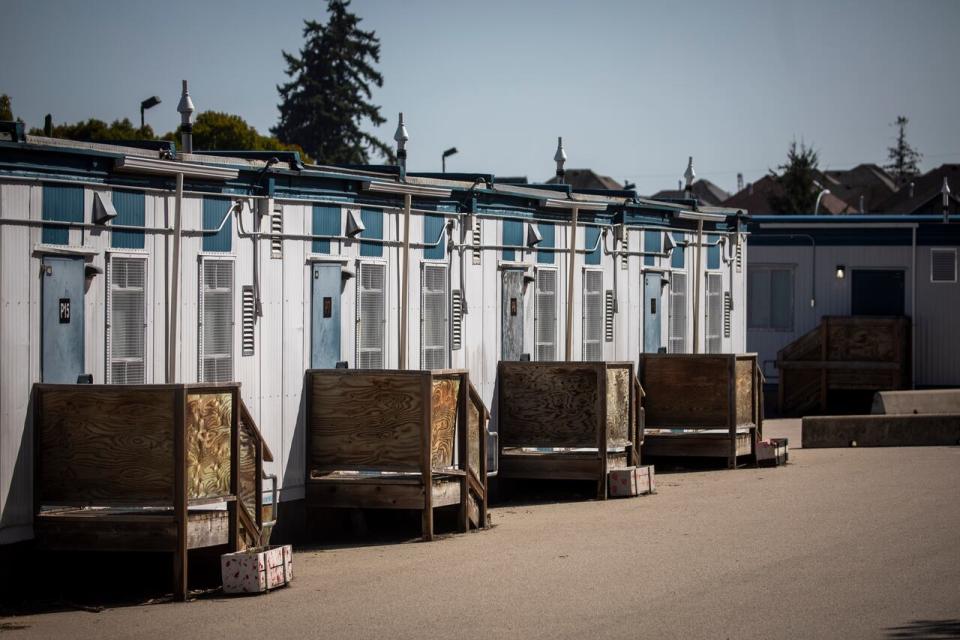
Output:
x=841 y=543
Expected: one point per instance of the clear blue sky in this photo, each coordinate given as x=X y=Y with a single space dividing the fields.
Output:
x=633 y=87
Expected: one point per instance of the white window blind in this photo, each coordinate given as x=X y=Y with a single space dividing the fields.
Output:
x=371 y=315
x=126 y=325
x=434 y=330
x=714 y=320
x=677 y=322
x=592 y=315
x=943 y=265
x=216 y=320
x=545 y=315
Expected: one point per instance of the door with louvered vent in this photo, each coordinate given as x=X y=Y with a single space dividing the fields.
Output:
x=593 y=315
x=126 y=326
x=325 y=325
x=677 y=323
x=545 y=315
x=216 y=320
x=714 y=307
x=434 y=322
x=511 y=315
x=651 y=312
x=371 y=315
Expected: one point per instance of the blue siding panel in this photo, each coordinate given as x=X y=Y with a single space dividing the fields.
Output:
x=652 y=241
x=590 y=236
x=549 y=233
x=326 y=222
x=214 y=211
x=512 y=235
x=64 y=204
x=677 y=255
x=131 y=212
x=372 y=220
x=432 y=227
x=713 y=252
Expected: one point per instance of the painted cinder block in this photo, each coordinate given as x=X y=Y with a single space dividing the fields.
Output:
x=257 y=569
x=632 y=481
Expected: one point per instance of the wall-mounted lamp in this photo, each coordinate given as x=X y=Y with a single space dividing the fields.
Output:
x=354 y=225
x=841 y=272
x=533 y=236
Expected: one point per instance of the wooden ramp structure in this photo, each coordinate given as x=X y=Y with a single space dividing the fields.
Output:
x=165 y=468
x=843 y=353
x=568 y=420
x=386 y=439
x=702 y=406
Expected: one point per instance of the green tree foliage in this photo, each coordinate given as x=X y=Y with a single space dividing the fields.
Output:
x=904 y=159
x=796 y=179
x=94 y=130
x=214 y=130
x=6 y=110
x=328 y=97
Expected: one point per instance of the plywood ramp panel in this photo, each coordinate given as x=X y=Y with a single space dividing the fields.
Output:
x=686 y=391
x=619 y=380
x=369 y=421
x=115 y=446
x=548 y=405
x=745 y=390
x=208 y=423
x=444 y=395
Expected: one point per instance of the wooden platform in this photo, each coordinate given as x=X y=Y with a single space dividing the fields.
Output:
x=397 y=440
x=567 y=420
x=702 y=406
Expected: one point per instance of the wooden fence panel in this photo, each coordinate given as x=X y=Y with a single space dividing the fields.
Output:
x=443 y=400
x=689 y=391
x=208 y=423
x=619 y=381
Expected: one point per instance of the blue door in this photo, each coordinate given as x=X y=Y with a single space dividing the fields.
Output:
x=325 y=347
x=651 y=312
x=61 y=339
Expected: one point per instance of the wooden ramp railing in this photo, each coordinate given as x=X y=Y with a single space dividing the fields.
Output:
x=255 y=531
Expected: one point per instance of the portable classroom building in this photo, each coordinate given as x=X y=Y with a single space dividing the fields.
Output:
x=803 y=268
x=271 y=280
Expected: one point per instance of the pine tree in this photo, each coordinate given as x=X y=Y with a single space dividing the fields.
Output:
x=328 y=97
x=6 y=111
x=904 y=159
x=797 y=181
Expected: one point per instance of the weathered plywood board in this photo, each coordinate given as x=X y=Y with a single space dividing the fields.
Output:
x=619 y=380
x=443 y=400
x=864 y=339
x=686 y=391
x=366 y=421
x=474 y=430
x=548 y=405
x=248 y=472
x=745 y=390
x=106 y=446
x=208 y=424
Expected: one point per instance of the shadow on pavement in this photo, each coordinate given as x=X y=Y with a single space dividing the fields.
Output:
x=926 y=629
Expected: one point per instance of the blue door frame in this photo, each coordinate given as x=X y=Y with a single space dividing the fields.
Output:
x=61 y=332
x=325 y=337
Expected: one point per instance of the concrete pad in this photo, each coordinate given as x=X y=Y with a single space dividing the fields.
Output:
x=881 y=431
x=917 y=402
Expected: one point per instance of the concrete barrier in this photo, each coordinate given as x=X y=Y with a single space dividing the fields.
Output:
x=927 y=401
x=881 y=431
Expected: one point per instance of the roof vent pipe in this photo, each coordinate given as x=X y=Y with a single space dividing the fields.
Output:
x=945 y=192
x=861 y=204
x=689 y=175
x=560 y=157
x=185 y=108
x=400 y=137
x=911 y=189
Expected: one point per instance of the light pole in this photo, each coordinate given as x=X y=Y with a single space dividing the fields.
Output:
x=446 y=154
x=149 y=103
x=823 y=192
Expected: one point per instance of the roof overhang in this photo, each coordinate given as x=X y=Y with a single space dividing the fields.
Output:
x=156 y=166
x=380 y=186
x=582 y=205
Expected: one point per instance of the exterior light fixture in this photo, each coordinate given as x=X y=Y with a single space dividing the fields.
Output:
x=149 y=103
x=446 y=154
x=841 y=272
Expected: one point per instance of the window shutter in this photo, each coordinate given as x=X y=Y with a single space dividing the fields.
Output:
x=276 y=229
x=943 y=265
x=126 y=326
x=371 y=315
x=433 y=317
x=476 y=239
x=457 y=307
x=714 y=320
x=727 y=308
x=545 y=315
x=248 y=338
x=216 y=320
x=677 y=322
x=592 y=315
x=610 y=308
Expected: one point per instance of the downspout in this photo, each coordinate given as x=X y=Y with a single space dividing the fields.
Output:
x=571 y=266
x=913 y=314
x=698 y=261
x=405 y=280
x=175 y=285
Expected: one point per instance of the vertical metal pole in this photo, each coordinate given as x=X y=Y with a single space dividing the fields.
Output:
x=405 y=280
x=174 y=309
x=698 y=260
x=571 y=267
x=913 y=313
